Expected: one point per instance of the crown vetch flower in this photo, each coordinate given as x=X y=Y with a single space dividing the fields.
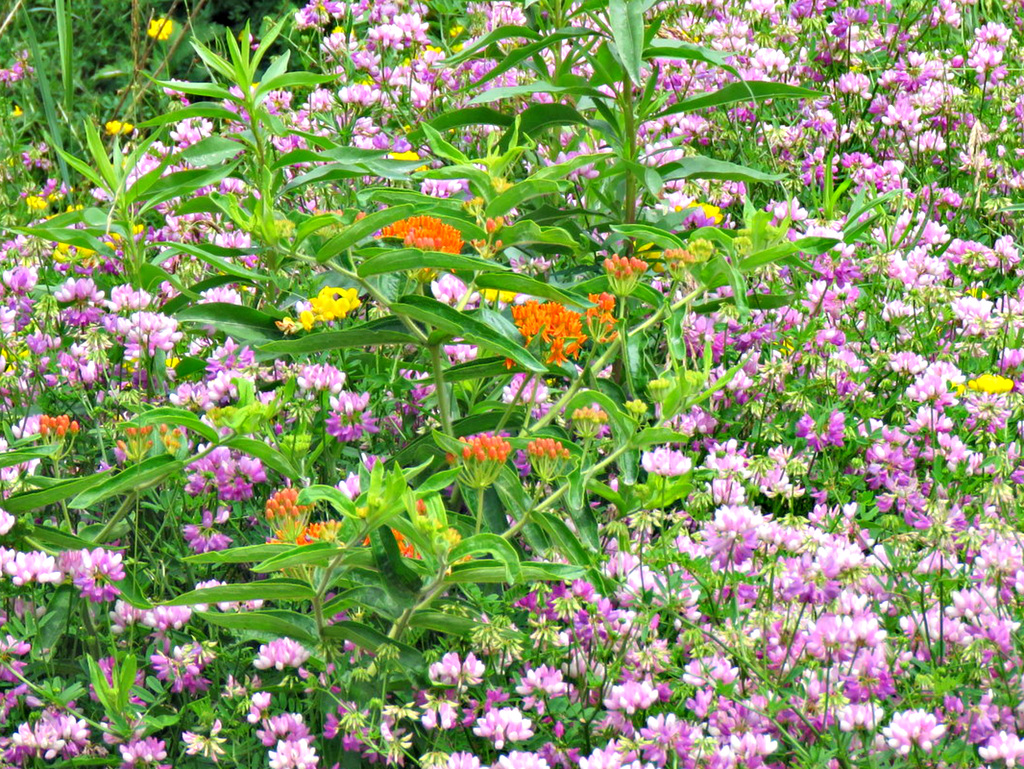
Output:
x=559 y=328
x=425 y=232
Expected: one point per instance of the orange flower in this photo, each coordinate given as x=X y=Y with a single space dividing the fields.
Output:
x=558 y=327
x=405 y=548
x=601 y=318
x=427 y=233
x=482 y=457
x=283 y=505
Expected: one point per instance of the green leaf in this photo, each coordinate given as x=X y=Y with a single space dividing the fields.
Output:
x=277 y=623
x=12 y=458
x=442 y=148
x=370 y=639
x=267 y=590
x=54 y=625
x=700 y=167
x=268 y=455
x=319 y=493
x=568 y=543
x=364 y=228
x=529 y=89
x=441 y=316
x=677 y=49
x=365 y=335
x=645 y=233
x=314 y=554
x=135 y=478
x=415 y=259
x=502 y=551
x=626 y=18
x=519 y=193
x=484 y=368
x=215 y=256
x=61 y=540
x=203 y=109
x=467 y=116
x=523 y=284
x=527 y=232
x=177 y=418
x=508 y=32
x=744 y=91
x=248 y=554
x=211 y=151
x=237 y=321
x=492 y=571
x=33 y=500
x=812 y=246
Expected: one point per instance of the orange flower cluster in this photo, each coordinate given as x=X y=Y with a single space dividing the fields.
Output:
x=482 y=457
x=427 y=233
x=624 y=273
x=306 y=535
x=404 y=546
x=588 y=420
x=284 y=504
x=547 y=457
x=601 y=318
x=59 y=426
x=560 y=328
x=138 y=444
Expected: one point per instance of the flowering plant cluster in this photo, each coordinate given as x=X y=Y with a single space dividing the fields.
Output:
x=523 y=386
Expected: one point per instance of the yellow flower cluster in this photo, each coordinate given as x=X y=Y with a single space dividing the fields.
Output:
x=115 y=127
x=330 y=304
x=991 y=383
x=161 y=28
x=36 y=203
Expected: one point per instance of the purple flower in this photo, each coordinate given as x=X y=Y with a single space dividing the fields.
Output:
x=503 y=726
x=184 y=668
x=281 y=653
x=911 y=729
x=95 y=572
x=293 y=755
x=204 y=538
x=147 y=752
x=350 y=418
x=666 y=462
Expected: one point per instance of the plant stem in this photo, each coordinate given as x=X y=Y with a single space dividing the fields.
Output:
x=443 y=401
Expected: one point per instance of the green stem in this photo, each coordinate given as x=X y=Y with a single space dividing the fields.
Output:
x=443 y=399
x=479 y=509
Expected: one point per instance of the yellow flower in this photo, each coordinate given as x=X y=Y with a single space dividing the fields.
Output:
x=714 y=213
x=16 y=112
x=493 y=295
x=977 y=293
x=36 y=203
x=307 y=320
x=456 y=31
x=160 y=28
x=991 y=383
x=410 y=155
x=115 y=127
x=333 y=303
